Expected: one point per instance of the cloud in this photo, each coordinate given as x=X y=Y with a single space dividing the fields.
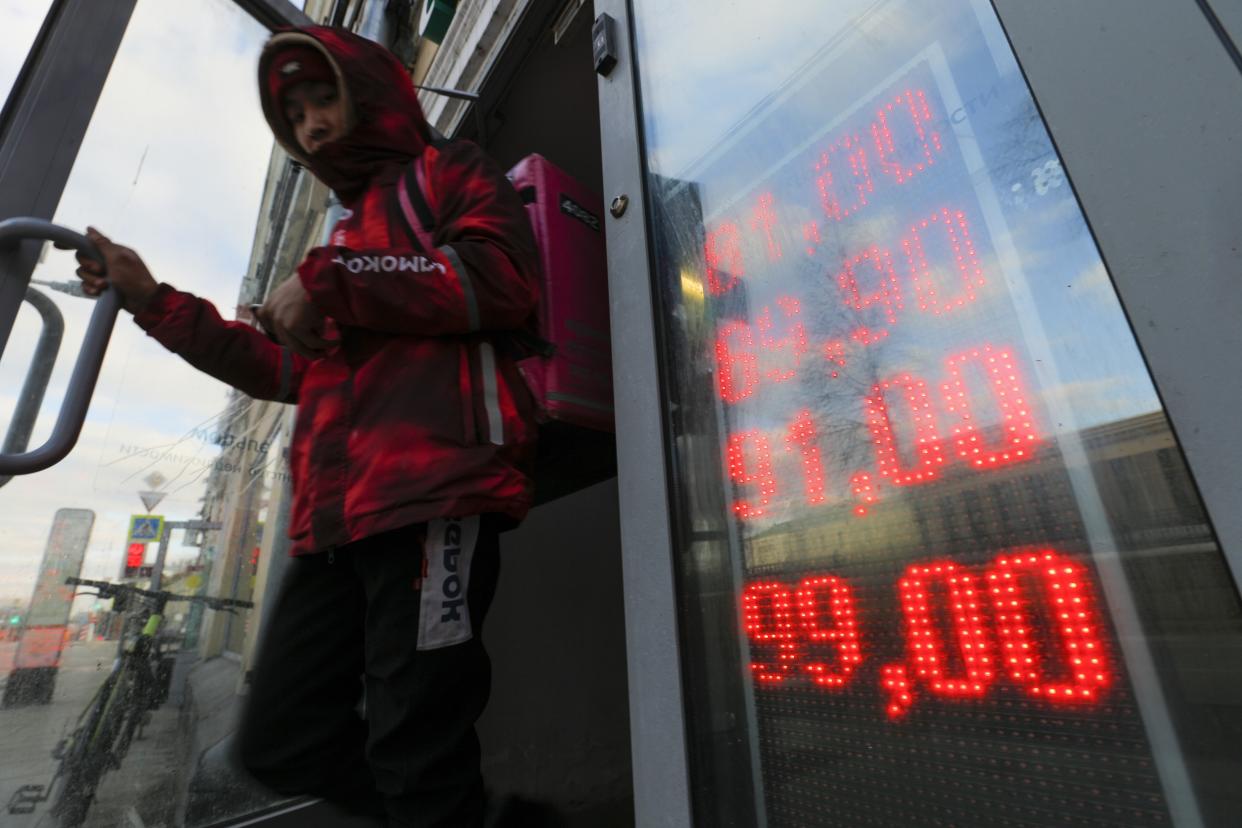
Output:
x=21 y=19
x=695 y=88
x=1092 y=284
x=1090 y=402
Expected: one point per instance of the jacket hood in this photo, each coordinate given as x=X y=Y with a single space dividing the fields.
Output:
x=386 y=126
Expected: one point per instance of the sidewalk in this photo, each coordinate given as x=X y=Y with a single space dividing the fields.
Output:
x=28 y=734
x=144 y=791
x=214 y=790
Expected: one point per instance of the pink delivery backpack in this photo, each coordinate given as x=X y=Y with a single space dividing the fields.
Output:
x=566 y=361
x=572 y=381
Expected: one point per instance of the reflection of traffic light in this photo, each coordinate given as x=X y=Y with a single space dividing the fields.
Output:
x=16 y=619
x=134 y=557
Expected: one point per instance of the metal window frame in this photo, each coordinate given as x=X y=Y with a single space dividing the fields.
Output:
x=657 y=722
x=275 y=14
x=1149 y=233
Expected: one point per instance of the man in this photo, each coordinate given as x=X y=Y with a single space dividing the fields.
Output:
x=413 y=438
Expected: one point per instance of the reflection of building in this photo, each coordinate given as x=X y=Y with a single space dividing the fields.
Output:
x=699 y=422
x=1144 y=483
x=253 y=482
x=1135 y=465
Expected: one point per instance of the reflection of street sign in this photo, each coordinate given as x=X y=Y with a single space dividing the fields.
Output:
x=196 y=531
x=45 y=621
x=151 y=499
x=145 y=528
x=66 y=547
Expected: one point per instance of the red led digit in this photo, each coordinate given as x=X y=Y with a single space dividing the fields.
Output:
x=758 y=472
x=765 y=219
x=723 y=252
x=803 y=438
x=896 y=681
x=1018 y=438
x=887 y=293
x=849 y=151
x=1025 y=585
x=794 y=342
x=925 y=645
x=810 y=233
x=768 y=615
x=732 y=361
x=834 y=353
x=864 y=492
x=827 y=596
x=956 y=230
x=911 y=104
x=928 y=448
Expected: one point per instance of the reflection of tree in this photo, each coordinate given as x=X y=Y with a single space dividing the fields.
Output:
x=1022 y=143
x=1026 y=169
x=835 y=392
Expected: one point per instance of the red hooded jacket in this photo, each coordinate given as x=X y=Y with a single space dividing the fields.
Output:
x=416 y=414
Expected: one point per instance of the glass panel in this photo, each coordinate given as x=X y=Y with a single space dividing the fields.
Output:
x=19 y=25
x=174 y=165
x=940 y=560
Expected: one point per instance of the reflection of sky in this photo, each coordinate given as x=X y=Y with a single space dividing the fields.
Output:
x=694 y=55
x=1053 y=303
x=21 y=23
x=173 y=164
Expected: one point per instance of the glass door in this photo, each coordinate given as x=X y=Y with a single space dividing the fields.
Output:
x=937 y=557
x=175 y=475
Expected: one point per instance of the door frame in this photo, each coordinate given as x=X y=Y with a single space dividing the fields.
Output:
x=657 y=723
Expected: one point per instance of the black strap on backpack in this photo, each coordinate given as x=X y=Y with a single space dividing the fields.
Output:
x=414 y=216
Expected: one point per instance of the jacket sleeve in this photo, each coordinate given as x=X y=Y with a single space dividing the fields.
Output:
x=233 y=352
x=483 y=274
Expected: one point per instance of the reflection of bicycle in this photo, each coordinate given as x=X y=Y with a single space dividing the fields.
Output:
x=138 y=684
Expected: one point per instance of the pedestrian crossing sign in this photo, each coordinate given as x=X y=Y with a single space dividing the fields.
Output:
x=145 y=528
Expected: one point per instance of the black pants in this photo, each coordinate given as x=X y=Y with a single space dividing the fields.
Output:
x=350 y=620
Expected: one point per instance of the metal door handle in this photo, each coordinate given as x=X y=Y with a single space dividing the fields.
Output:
x=37 y=376
x=85 y=371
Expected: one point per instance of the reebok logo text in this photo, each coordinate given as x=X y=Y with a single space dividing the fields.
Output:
x=448 y=550
x=451 y=588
